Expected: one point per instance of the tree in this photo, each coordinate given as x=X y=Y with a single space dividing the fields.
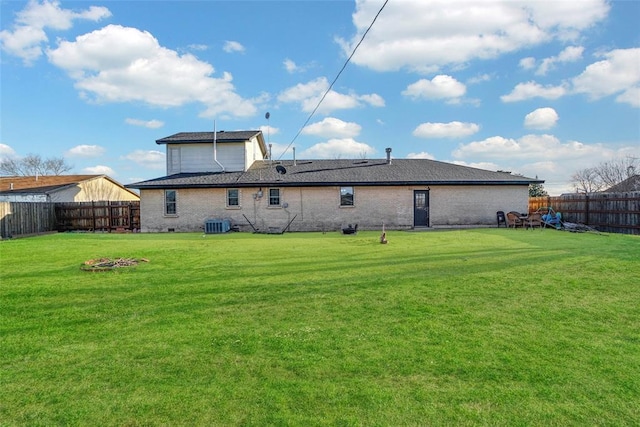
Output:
x=604 y=175
x=537 y=190
x=33 y=164
x=587 y=181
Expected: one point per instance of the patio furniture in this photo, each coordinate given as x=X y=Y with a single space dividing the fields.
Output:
x=514 y=220
x=501 y=218
x=534 y=220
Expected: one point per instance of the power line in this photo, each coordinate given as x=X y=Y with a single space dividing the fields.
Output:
x=335 y=79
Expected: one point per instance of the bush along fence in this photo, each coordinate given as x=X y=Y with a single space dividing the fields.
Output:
x=607 y=212
x=27 y=218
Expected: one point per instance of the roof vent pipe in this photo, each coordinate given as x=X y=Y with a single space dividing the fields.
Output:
x=215 y=146
x=294 y=156
x=388 y=151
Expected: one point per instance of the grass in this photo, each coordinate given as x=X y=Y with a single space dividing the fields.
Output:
x=473 y=327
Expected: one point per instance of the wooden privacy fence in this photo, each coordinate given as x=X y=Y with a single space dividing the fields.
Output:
x=27 y=218
x=609 y=212
x=98 y=216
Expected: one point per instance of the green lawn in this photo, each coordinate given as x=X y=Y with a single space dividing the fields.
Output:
x=468 y=327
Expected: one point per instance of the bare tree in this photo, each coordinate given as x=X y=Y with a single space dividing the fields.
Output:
x=33 y=164
x=604 y=175
x=616 y=171
x=587 y=181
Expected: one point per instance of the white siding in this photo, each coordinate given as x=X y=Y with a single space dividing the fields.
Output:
x=231 y=155
x=253 y=152
x=173 y=160
x=189 y=158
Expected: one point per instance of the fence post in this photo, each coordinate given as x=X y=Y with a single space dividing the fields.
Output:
x=586 y=209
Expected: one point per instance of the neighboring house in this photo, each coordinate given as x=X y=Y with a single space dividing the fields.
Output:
x=228 y=176
x=63 y=188
x=630 y=184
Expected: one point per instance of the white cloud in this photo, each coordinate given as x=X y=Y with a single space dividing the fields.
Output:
x=372 y=99
x=544 y=156
x=331 y=127
x=527 y=147
x=86 y=151
x=527 y=63
x=339 y=148
x=440 y=87
x=28 y=34
x=269 y=130
x=120 y=64
x=308 y=95
x=442 y=33
x=569 y=54
x=542 y=118
x=151 y=124
x=421 y=155
x=445 y=130
x=529 y=90
x=232 y=46
x=630 y=96
x=618 y=72
x=149 y=159
x=490 y=166
x=6 y=152
x=99 y=170
x=198 y=47
x=479 y=79
x=290 y=66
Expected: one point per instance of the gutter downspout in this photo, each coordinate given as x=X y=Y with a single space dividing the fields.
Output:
x=215 y=147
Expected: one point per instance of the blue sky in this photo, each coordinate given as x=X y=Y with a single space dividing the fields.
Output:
x=539 y=88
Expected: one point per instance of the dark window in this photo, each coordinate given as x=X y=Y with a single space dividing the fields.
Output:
x=233 y=197
x=170 y=202
x=346 y=196
x=274 y=197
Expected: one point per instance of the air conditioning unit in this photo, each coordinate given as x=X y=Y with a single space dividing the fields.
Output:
x=217 y=226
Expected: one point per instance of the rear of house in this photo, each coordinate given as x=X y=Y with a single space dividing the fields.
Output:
x=316 y=195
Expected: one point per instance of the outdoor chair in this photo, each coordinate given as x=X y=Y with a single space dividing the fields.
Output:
x=513 y=220
x=501 y=218
x=535 y=220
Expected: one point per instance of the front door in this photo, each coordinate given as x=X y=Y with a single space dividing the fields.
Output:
x=421 y=208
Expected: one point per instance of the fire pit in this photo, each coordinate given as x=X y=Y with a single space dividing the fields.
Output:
x=106 y=264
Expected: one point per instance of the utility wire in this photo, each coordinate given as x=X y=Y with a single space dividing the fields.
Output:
x=334 y=80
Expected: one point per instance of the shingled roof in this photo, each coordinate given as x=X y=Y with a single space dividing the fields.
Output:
x=47 y=184
x=207 y=137
x=40 y=184
x=314 y=173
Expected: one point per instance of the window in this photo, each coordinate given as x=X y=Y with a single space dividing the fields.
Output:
x=170 y=202
x=346 y=196
x=274 y=197
x=233 y=197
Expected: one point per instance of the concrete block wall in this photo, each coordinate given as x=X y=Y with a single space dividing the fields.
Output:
x=318 y=208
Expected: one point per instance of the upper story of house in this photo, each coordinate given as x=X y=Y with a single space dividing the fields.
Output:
x=222 y=151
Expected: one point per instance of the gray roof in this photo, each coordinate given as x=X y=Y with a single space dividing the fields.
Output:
x=630 y=184
x=207 y=137
x=314 y=173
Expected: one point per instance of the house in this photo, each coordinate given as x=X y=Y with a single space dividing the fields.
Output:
x=229 y=176
x=630 y=184
x=63 y=188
